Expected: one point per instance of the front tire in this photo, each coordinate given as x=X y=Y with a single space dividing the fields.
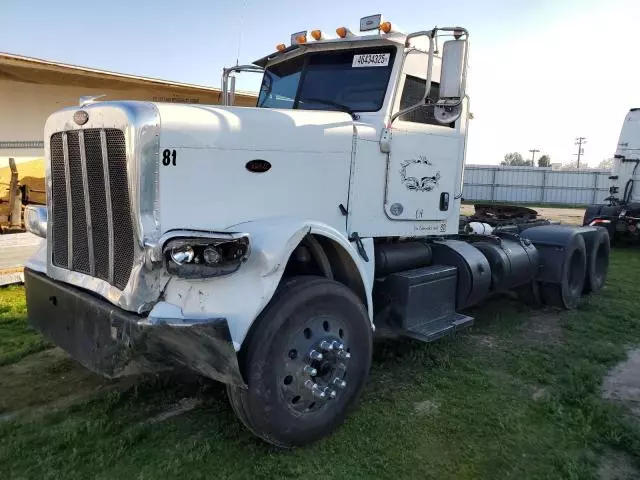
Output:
x=305 y=362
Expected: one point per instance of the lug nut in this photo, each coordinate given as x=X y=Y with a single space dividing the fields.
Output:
x=332 y=394
x=316 y=391
x=344 y=354
x=309 y=370
x=315 y=355
x=340 y=383
x=336 y=345
x=326 y=346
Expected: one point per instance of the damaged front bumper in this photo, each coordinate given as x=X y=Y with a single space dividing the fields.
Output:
x=113 y=342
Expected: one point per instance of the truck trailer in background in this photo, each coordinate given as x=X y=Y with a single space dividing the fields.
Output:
x=621 y=212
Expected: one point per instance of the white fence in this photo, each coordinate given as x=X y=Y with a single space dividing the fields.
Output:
x=535 y=185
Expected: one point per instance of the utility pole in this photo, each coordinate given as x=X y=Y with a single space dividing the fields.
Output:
x=533 y=156
x=579 y=142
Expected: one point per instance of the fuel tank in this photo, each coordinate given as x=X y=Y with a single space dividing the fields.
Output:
x=513 y=261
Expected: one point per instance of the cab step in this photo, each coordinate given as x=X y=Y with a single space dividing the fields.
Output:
x=430 y=331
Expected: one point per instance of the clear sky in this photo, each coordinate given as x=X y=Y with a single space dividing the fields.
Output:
x=542 y=72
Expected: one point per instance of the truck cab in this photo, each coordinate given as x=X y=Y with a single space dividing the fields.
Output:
x=373 y=78
x=621 y=212
x=263 y=247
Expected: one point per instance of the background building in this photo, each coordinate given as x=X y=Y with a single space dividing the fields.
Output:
x=31 y=89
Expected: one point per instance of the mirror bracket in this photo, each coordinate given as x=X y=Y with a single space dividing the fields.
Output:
x=444 y=105
x=227 y=94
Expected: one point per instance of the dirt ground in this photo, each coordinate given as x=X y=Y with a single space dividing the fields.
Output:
x=622 y=386
x=570 y=216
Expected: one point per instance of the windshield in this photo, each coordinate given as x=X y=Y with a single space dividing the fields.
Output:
x=344 y=80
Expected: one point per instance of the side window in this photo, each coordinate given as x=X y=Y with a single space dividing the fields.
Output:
x=411 y=94
x=279 y=85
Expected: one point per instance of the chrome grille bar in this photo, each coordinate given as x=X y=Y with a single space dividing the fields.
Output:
x=87 y=204
x=107 y=189
x=67 y=180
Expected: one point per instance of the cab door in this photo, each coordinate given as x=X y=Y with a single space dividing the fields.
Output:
x=424 y=161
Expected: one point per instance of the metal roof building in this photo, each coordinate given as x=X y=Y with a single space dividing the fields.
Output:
x=31 y=89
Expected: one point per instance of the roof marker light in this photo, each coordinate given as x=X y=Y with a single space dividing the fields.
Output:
x=321 y=35
x=344 y=32
x=385 y=27
x=299 y=37
x=280 y=47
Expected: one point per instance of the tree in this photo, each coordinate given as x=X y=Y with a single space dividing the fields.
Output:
x=544 y=161
x=573 y=165
x=514 y=159
x=606 y=164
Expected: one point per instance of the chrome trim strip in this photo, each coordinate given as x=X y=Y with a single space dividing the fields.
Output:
x=107 y=190
x=67 y=181
x=144 y=177
x=87 y=203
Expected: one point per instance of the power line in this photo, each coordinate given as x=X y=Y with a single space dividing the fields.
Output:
x=533 y=156
x=579 y=142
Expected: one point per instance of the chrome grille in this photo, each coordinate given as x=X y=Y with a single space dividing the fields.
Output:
x=92 y=232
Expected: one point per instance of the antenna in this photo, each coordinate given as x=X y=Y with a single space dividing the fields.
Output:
x=243 y=8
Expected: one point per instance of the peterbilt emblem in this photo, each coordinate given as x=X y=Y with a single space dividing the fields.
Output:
x=258 y=166
x=421 y=182
x=81 y=117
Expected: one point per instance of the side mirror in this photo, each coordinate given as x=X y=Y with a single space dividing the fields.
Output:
x=452 y=79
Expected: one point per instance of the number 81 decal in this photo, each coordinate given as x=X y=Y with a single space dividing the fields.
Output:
x=168 y=157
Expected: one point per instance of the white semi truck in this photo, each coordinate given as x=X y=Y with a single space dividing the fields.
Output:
x=263 y=247
x=621 y=212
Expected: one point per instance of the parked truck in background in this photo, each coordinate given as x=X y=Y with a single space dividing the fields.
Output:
x=263 y=247
x=620 y=213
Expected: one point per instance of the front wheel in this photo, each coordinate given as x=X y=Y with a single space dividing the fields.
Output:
x=305 y=362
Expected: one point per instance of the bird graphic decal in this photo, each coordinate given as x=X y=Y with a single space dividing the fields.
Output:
x=419 y=183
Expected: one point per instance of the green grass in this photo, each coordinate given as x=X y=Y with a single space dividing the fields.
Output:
x=516 y=396
x=16 y=339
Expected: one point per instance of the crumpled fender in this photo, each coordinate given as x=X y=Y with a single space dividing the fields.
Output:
x=241 y=296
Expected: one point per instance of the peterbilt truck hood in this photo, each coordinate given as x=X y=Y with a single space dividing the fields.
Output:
x=206 y=181
x=127 y=173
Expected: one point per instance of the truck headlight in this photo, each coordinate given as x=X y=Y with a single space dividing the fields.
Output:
x=182 y=254
x=205 y=257
x=35 y=220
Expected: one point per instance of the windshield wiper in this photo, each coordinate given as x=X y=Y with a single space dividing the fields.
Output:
x=339 y=106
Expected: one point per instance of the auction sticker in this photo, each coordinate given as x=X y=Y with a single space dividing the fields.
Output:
x=371 y=60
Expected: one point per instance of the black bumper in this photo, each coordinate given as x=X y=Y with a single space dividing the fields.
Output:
x=113 y=342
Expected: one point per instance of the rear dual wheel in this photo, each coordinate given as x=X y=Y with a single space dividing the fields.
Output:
x=598 y=252
x=305 y=362
x=568 y=291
